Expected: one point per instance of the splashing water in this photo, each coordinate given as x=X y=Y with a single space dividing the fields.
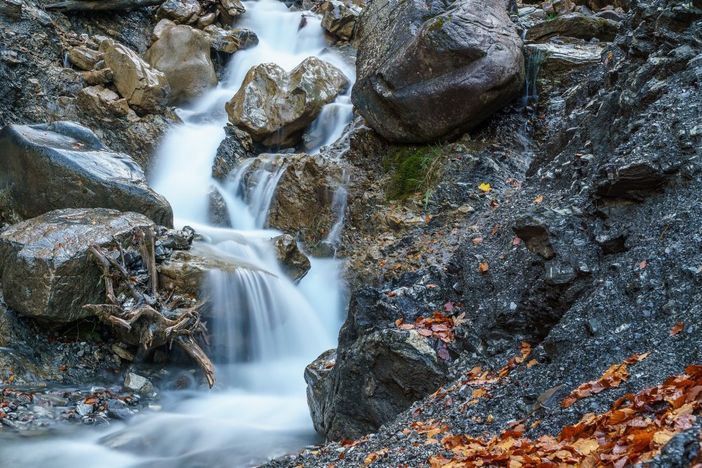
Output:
x=265 y=329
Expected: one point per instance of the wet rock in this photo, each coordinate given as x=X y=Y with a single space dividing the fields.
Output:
x=45 y=265
x=102 y=76
x=138 y=383
x=340 y=19
x=180 y=11
x=633 y=181
x=84 y=58
x=560 y=58
x=11 y=8
x=419 y=78
x=141 y=85
x=118 y=409
x=182 y=53
x=231 y=9
x=317 y=376
x=303 y=200
x=103 y=101
x=236 y=146
x=218 y=214
x=64 y=165
x=294 y=263
x=275 y=107
x=575 y=25
x=229 y=41
x=374 y=380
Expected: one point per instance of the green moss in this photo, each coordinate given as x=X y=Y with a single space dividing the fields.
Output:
x=413 y=170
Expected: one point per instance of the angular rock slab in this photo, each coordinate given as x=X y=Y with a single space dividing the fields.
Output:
x=182 y=53
x=141 y=85
x=64 y=165
x=275 y=107
x=427 y=72
x=45 y=266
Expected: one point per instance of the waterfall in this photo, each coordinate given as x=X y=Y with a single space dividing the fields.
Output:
x=265 y=329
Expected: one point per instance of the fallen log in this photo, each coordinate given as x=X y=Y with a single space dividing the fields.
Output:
x=100 y=5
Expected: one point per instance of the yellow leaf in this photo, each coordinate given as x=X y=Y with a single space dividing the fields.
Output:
x=585 y=446
x=539 y=199
x=485 y=187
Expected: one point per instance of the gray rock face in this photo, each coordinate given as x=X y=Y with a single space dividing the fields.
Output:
x=423 y=79
x=275 y=107
x=575 y=25
x=183 y=54
x=381 y=375
x=64 y=165
x=44 y=262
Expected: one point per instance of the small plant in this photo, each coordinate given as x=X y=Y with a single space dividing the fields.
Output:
x=413 y=170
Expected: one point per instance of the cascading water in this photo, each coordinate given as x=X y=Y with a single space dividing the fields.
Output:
x=265 y=329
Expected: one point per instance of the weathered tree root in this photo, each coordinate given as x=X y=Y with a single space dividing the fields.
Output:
x=140 y=319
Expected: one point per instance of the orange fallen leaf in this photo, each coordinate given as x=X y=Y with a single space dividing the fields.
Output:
x=677 y=328
x=539 y=199
x=483 y=267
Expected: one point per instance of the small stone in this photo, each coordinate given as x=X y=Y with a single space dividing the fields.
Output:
x=138 y=383
x=118 y=409
x=84 y=409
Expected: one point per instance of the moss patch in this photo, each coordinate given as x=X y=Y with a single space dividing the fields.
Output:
x=412 y=170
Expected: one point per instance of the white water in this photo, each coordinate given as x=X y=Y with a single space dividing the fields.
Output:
x=265 y=329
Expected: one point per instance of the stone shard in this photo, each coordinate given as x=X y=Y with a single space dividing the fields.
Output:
x=275 y=107
x=182 y=53
x=141 y=85
x=294 y=263
x=422 y=79
x=45 y=267
x=64 y=165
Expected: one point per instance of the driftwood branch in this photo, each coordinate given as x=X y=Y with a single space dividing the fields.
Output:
x=145 y=322
x=100 y=5
x=192 y=349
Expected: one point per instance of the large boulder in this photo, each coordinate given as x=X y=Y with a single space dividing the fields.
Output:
x=144 y=87
x=303 y=202
x=428 y=71
x=45 y=266
x=371 y=382
x=183 y=54
x=64 y=165
x=275 y=107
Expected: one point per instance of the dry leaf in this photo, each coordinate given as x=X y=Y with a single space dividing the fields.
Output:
x=485 y=187
x=483 y=267
x=677 y=328
x=539 y=199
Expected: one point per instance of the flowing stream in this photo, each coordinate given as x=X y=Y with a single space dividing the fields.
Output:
x=266 y=329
